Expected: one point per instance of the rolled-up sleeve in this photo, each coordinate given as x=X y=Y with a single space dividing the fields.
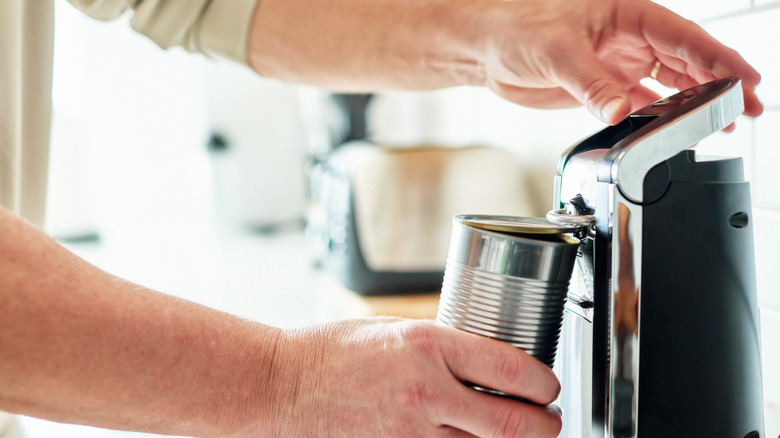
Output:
x=212 y=27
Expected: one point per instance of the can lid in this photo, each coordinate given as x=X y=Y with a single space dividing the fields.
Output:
x=515 y=224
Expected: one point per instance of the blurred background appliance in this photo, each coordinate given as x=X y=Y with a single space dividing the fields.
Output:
x=384 y=208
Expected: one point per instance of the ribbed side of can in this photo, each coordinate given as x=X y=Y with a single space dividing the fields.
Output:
x=525 y=313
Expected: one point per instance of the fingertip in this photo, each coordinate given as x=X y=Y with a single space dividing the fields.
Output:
x=557 y=413
x=493 y=364
x=615 y=110
x=751 y=79
x=556 y=388
x=547 y=384
x=753 y=106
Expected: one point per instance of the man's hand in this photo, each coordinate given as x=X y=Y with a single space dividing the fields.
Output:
x=557 y=53
x=395 y=378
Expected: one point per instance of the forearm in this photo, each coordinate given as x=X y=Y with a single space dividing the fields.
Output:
x=361 y=45
x=538 y=53
x=79 y=345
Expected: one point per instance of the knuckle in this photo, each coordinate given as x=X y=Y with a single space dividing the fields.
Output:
x=420 y=396
x=596 y=89
x=510 y=368
x=421 y=336
x=514 y=423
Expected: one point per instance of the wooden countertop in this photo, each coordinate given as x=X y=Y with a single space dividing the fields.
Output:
x=352 y=305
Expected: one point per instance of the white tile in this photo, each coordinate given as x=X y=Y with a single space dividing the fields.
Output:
x=770 y=352
x=766 y=164
x=766 y=2
x=755 y=37
x=732 y=144
x=772 y=421
x=766 y=223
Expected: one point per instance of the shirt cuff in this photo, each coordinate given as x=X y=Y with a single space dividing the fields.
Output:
x=224 y=30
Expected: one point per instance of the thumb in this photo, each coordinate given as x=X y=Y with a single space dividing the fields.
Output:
x=595 y=88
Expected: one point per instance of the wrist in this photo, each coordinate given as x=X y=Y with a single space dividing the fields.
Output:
x=276 y=386
x=253 y=395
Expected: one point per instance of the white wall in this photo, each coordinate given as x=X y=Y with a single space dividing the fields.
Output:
x=131 y=122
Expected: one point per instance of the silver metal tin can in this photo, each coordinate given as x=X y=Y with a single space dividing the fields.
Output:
x=507 y=278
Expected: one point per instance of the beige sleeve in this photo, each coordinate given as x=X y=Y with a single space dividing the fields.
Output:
x=212 y=27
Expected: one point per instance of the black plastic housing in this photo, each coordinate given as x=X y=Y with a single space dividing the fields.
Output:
x=699 y=338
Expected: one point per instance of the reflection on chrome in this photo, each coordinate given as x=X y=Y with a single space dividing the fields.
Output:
x=624 y=342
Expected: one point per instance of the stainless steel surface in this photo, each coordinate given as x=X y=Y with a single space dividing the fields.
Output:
x=575 y=374
x=610 y=177
x=683 y=120
x=576 y=369
x=579 y=177
x=564 y=217
x=623 y=379
x=621 y=388
x=507 y=287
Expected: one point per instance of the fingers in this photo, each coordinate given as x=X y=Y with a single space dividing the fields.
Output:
x=487 y=415
x=698 y=54
x=641 y=97
x=590 y=83
x=534 y=97
x=672 y=74
x=560 y=98
x=691 y=56
x=500 y=366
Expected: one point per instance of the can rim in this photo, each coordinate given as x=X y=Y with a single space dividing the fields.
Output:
x=515 y=224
